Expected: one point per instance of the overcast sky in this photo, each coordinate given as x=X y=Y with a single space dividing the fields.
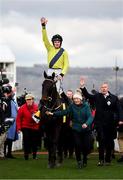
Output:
x=92 y=30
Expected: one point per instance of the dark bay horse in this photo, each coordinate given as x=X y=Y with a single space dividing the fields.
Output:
x=51 y=101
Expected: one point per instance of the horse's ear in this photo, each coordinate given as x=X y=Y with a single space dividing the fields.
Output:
x=53 y=75
x=45 y=75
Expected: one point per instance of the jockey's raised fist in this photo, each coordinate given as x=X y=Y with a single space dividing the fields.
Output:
x=44 y=21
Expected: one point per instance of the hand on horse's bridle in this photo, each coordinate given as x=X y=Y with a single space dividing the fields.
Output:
x=49 y=113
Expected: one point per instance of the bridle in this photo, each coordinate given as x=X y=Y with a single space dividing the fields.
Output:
x=52 y=108
x=49 y=99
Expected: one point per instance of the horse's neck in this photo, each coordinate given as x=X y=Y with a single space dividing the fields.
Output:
x=56 y=100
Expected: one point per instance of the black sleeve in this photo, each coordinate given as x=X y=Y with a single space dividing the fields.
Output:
x=86 y=94
x=66 y=99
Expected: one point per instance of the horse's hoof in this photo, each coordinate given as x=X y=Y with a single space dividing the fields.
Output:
x=51 y=165
x=58 y=164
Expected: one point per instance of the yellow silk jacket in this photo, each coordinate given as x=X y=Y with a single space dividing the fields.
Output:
x=62 y=62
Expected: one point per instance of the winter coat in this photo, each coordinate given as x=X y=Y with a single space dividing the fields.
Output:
x=24 y=117
x=108 y=111
x=12 y=133
x=62 y=62
x=79 y=115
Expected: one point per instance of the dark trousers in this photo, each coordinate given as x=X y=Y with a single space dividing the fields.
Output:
x=66 y=142
x=69 y=142
x=30 y=140
x=105 y=139
x=8 y=147
x=82 y=141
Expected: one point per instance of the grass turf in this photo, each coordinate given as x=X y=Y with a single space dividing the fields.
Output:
x=37 y=169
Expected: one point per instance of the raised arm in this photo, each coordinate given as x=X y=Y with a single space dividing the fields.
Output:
x=44 y=33
x=84 y=90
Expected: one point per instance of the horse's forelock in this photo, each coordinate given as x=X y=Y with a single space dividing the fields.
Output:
x=48 y=85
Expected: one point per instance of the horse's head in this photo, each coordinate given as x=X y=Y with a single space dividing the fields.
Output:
x=48 y=87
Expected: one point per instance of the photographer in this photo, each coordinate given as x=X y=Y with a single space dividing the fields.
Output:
x=21 y=98
x=3 y=127
x=2 y=103
x=10 y=114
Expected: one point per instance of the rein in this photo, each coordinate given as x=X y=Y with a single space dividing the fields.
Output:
x=52 y=109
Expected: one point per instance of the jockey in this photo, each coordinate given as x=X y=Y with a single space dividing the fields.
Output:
x=57 y=56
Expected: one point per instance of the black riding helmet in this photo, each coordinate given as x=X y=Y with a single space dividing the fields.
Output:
x=57 y=37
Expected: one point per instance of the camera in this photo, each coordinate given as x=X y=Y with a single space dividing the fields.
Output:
x=7 y=89
x=4 y=87
x=21 y=98
x=4 y=81
x=6 y=125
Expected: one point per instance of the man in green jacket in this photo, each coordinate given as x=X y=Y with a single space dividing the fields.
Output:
x=57 y=56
